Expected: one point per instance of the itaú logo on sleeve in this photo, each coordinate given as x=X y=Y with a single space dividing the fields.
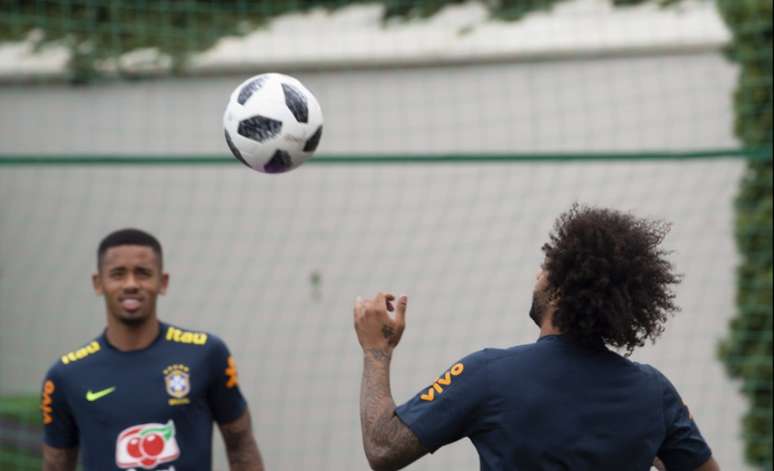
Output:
x=443 y=381
x=146 y=446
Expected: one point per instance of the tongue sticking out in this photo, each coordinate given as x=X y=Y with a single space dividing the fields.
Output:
x=130 y=304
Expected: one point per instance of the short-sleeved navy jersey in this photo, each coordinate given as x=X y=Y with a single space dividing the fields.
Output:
x=554 y=405
x=144 y=409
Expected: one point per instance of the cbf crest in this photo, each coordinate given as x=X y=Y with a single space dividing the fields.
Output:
x=178 y=383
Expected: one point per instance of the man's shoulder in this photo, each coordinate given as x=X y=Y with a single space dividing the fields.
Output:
x=650 y=371
x=547 y=350
x=82 y=354
x=494 y=357
x=199 y=339
x=514 y=353
x=657 y=378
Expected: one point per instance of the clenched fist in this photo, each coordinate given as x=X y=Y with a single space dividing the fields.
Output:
x=375 y=328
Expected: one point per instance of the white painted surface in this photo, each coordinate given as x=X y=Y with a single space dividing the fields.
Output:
x=463 y=241
x=356 y=36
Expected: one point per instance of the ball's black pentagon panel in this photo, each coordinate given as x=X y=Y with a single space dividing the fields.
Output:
x=234 y=149
x=296 y=102
x=312 y=143
x=253 y=86
x=280 y=162
x=259 y=128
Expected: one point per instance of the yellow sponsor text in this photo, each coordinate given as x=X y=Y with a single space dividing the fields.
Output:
x=444 y=380
x=81 y=353
x=182 y=336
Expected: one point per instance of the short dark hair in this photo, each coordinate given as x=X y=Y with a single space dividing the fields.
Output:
x=610 y=277
x=128 y=236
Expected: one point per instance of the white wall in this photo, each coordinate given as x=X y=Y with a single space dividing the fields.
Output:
x=661 y=102
x=462 y=240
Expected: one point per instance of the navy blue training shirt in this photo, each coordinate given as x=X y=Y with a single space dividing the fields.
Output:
x=150 y=409
x=554 y=405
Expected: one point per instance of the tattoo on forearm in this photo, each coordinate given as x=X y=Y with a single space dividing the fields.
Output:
x=385 y=438
x=240 y=444
x=378 y=355
x=59 y=459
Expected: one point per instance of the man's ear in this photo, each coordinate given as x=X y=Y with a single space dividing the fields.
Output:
x=553 y=297
x=96 y=282
x=164 y=283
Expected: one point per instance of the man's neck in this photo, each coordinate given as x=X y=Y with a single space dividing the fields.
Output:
x=547 y=327
x=131 y=337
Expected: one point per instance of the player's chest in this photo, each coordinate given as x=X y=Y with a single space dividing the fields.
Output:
x=128 y=390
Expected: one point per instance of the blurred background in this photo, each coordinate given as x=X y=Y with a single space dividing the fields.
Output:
x=110 y=116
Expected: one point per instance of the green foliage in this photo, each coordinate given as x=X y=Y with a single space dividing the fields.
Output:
x=98 y=32
x=747 y=351
x=20 y=441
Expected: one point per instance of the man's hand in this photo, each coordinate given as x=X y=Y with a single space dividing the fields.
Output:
x=388 y=443
x=376 y=330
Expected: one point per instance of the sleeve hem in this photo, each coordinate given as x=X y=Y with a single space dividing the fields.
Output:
x=417 y=433
x=59 y=444
x=705 y=457
x=689 y=465
x=232 y=417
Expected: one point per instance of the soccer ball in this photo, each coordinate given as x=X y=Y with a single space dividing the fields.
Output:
x=273 y=123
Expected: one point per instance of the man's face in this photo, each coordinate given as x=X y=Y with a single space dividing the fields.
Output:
x=130 y=279
x=540 y=298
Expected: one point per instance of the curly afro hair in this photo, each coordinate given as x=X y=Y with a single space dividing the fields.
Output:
x=609 y=278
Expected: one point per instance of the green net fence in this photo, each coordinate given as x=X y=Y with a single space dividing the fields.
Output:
x=451 y=143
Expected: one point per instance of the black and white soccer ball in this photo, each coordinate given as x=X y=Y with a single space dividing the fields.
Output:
x=273 y=123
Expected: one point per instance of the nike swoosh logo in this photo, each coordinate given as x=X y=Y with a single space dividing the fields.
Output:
x=93 y=396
